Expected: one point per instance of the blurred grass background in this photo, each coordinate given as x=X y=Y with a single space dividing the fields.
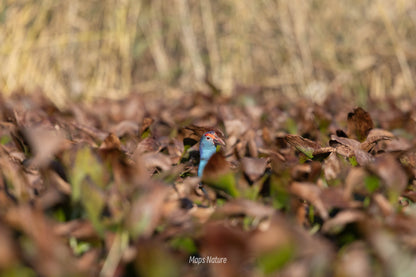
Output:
x=85 y=49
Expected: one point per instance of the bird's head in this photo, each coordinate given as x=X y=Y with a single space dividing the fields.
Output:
x=208 y=144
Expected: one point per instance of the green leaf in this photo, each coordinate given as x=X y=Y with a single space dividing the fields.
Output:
x=18 y=271
x=291 y=126
x=156 y=262
x=225 y=182
x=184 y=244
x=372 y=183
x=353 y=161
x=279 y=191
x=78 y=248
x=59 y=215
x=308 y=151
x=5 y=139
x=311 y=213
x=146 y=133
x=93 y=201
x=274 y=260
x=142 y=223
x=86 y=164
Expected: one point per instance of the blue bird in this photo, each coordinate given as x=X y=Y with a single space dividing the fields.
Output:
x=207 y=148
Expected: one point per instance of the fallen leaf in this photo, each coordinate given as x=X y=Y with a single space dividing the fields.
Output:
x=359 y=124
x=311 y=193
x=341 y=219
x=253 y=167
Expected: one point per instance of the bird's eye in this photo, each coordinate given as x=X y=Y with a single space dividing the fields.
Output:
x=208 y=138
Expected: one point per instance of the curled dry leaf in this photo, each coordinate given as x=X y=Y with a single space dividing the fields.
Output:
x=351 y=148
x=222 y=241
x=303 y=145
x=148 y=144
x=156 y=160
x=111 y=142
x=146 y=211
x=195 y=132
x=77 y=228
x=359 y=124
x=372 y=141
x=311 y=193
x=246 y=207
x=354 y=261
x=253 y=167
x=45 y=144
x=332 y=167
x=341 y=219
x=235 y=128
x=390 y=171
x=384 y=205
x=8 y=249
x=125 y=127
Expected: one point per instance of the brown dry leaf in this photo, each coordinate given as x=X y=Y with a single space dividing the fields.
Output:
x=246 y=207
x=202 y=214
x=235 y=128
x=354 y=182
x=111 y=142
x=146 y=211
x=148 y=144
x=363 y=158
x=350 y=143
x=8 y=249
x=253 y=167
x=49 y=261
x=175 y=149
x=376 y=132
x=332 y=167
x=91 y=131
x=373 y=138
x=384 y=205
x=222 y=241
x=195 y=132
x=147 y=121
x=394 y=145
x=390 y=171
x=322 y=153
x=349 y=148
x=303 y=145
x=278 y=233
x=156 y=160
x=11 y=171
x=334 y=197
x=125 y=127
x=359 y=124
x=88 y=262
x=354 y=261
x=45 y=144
x=251 y=144
x=408 y=160
x=341 y=219
x=311 y=193
x=311 y=172
x=77 y=228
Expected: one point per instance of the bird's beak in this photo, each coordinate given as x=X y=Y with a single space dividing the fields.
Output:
x=218 y=141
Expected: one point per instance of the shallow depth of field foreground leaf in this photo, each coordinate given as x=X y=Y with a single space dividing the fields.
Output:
x=300 y=189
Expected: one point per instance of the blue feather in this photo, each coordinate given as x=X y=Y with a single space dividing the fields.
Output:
x=207 y=148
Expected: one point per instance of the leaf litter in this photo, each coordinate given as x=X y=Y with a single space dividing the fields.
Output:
x=300 y=189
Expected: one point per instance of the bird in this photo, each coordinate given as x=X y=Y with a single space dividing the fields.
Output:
x=207 y=148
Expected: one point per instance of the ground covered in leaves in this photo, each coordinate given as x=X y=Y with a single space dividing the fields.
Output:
x=300 y=189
